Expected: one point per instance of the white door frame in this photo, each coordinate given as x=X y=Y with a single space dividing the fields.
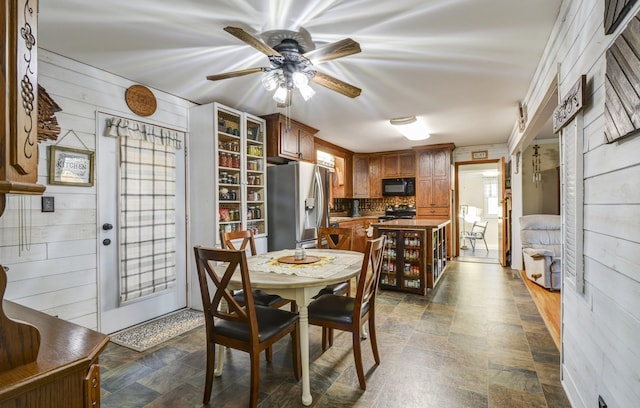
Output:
x=112 y=316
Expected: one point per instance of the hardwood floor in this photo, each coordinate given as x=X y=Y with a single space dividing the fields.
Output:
x=548 y=304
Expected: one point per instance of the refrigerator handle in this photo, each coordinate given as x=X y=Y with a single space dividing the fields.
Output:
x=320 y=196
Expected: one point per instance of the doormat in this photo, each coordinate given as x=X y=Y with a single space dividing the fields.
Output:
x=153 y=332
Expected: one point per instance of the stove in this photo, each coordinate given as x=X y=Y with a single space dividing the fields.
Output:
x=393 y=212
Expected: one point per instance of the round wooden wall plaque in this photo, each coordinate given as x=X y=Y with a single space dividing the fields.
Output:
x=140 y=100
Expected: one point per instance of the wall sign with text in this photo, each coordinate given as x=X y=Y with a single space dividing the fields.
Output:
x=71 y=167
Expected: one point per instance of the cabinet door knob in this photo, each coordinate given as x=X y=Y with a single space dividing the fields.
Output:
x=107 y=226
x=106 y=242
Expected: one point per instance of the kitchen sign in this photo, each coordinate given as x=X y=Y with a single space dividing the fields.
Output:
x=71 y=167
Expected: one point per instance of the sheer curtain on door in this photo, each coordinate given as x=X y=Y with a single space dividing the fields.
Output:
x=146 y=206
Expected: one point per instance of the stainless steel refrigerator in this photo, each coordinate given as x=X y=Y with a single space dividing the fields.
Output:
x=298 y=203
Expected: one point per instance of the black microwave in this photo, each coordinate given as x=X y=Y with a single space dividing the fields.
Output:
x=399 y=187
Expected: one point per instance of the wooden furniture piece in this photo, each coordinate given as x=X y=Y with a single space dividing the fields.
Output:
x=19 y=100
x=288 y=139
x=300 y=287
x=227 y=155
x=335 y=238
x=359 y=227
x=433 y=183
x=415 y=253
x=398 y=164
x=62 y=372
x=347 y=313
x=341 y=179
x=247 y=327
x=260 y=297
x=367 y=173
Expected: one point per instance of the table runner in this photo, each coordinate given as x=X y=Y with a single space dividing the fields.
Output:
x=329 y=264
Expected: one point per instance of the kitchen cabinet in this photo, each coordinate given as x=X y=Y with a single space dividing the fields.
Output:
x=375 y=176
x=341 y=184
x=19 y=99
x=228 y=174
x=366 y=176
x=288 y=139
x=359 y=227
x=398 y=164
x=415 y=253
x=360 y=176
x=433 y=182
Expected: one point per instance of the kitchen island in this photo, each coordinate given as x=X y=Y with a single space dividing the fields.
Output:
x=358 y=226
x=415 y=253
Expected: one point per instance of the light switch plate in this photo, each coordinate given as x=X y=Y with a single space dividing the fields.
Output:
x=48 y=204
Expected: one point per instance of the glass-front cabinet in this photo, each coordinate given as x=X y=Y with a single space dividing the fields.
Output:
x=403 y=260
x=414 y=255
x=227 y=158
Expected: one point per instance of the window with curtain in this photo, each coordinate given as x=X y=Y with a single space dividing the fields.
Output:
x=147 y=208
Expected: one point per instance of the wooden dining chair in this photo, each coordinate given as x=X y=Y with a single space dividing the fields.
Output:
x=249 y=327
x=260 y=297
x=335 y=238
x=348 y=313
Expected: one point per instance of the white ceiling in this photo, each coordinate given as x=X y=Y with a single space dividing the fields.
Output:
x=460 y=65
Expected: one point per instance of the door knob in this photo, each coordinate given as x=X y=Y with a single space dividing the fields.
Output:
x=107 y=226
x=106 y=241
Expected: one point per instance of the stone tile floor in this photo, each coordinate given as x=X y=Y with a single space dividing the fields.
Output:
x=476 y=341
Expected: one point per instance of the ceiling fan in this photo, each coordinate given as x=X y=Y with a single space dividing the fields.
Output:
x=293 y=61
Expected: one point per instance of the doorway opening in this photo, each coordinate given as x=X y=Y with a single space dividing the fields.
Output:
x=478 y=207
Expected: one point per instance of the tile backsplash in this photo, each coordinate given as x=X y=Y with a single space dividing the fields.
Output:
x=370 y=206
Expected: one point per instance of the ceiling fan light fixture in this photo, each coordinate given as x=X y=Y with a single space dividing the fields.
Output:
x=270 y=80
x=280 y=96
x=411 y=127
x=299 y=79
x=306 y=91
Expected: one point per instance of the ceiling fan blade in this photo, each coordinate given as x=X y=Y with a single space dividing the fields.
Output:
x=334 y=50
x=336 y=85
x=234 y=74
x=242 y=35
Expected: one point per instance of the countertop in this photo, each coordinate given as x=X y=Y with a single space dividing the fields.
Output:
x=412 y=223
x=338 y=219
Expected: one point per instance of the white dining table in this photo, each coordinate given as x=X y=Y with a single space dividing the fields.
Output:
x=299 y=282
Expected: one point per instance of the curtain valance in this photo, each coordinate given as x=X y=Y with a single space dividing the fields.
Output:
x=121 y=127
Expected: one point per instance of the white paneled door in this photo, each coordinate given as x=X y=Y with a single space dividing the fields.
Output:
x=141 y=216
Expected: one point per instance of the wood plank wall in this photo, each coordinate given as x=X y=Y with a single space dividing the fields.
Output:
x=57 y=273
x=600 y=327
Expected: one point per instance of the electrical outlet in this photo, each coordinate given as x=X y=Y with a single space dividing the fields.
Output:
x=48 y=204
x=601 y=403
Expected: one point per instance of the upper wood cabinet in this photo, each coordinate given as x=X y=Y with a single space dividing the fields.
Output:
x=341 y=177
x=433 y=181
x=398 y=164
x=375 y=173
x=366 y=176
x=19 y=100
x=360 y=176
x=288 y=139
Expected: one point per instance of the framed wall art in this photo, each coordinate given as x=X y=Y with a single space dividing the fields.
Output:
x=614 y=13
x=70 y=167
x=480 y=155
x=622 y=84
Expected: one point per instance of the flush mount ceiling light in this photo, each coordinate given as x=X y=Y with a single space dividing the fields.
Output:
x=411 y=127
